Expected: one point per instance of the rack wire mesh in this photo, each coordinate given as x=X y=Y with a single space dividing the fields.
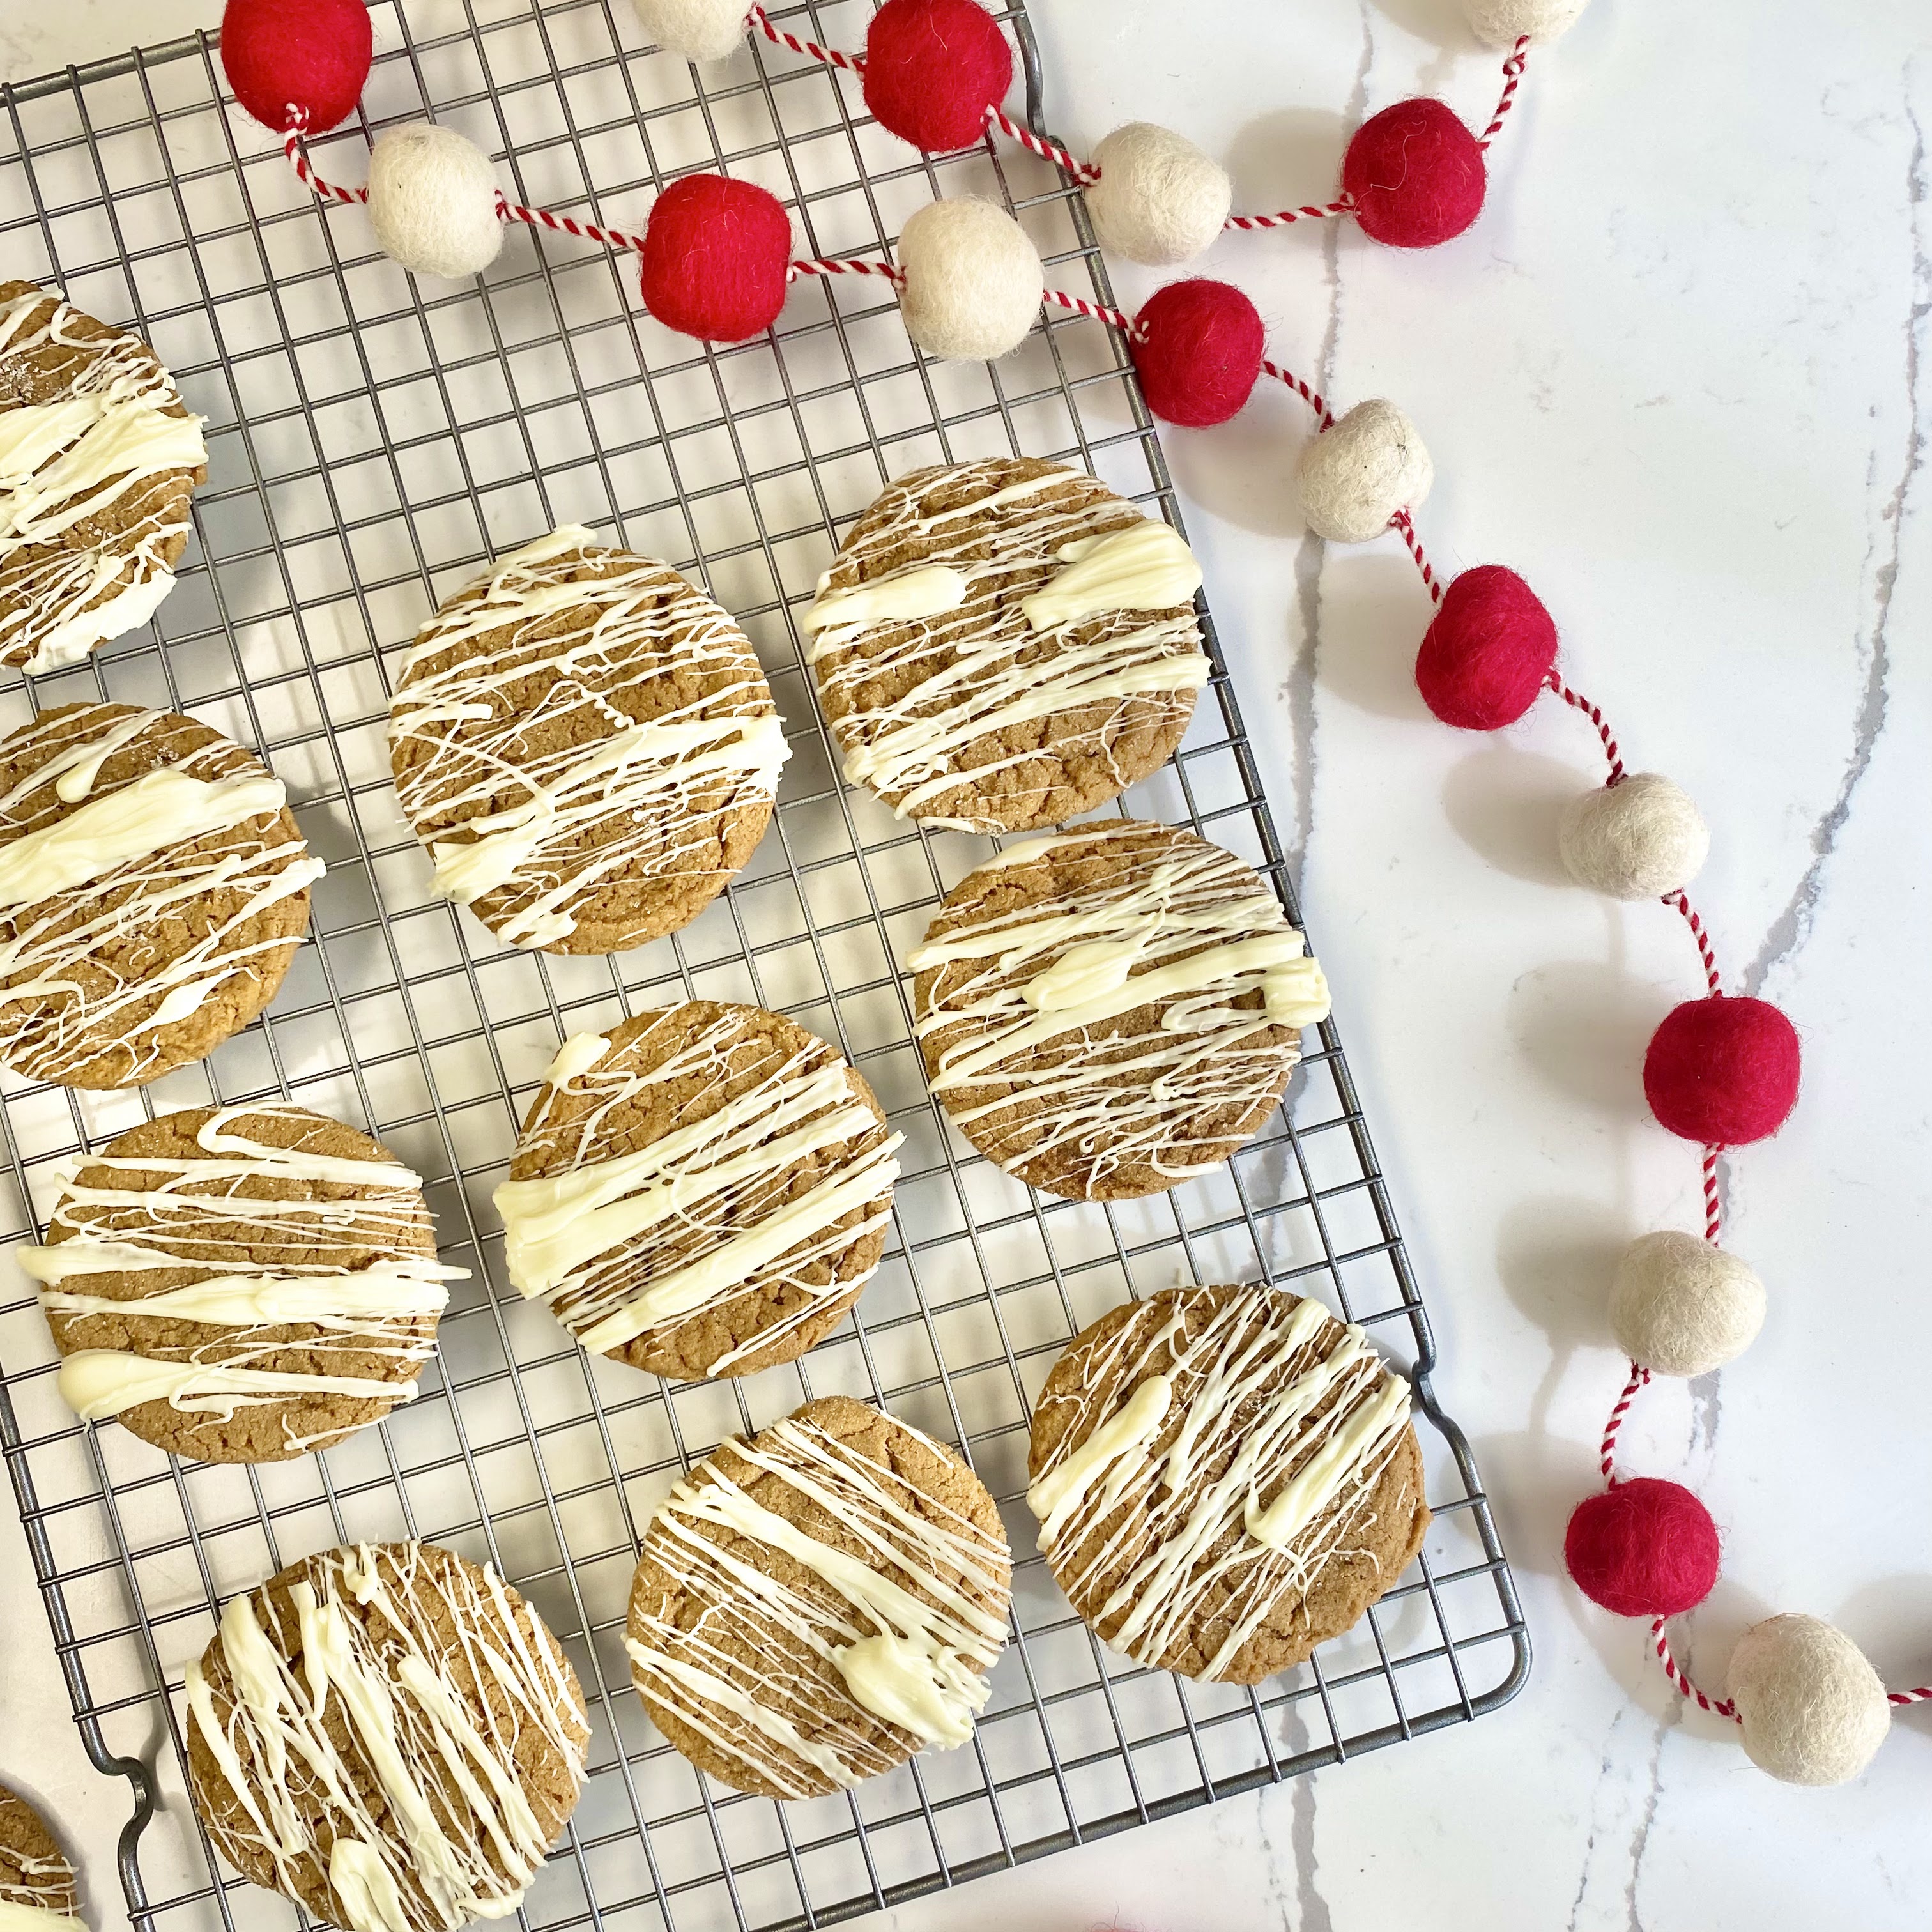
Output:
x=372 y=442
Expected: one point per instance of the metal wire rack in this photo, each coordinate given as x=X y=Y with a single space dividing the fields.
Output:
x=372 y=442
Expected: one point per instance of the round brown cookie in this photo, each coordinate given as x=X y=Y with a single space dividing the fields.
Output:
x=586 y=745
x=34 y=1871
x=266 y=1239
x=88 y=417
x=153 y=889
x=703 y=1191
x=403 y=1728
x=974 y=714
x=815 y=1604
x=1225 y=1478
x=1107 y=1012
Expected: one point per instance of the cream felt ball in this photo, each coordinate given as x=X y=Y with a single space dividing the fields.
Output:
x=1159 y=199
x=1680 y=1306
x=697 y=29
x=972 y=279
x=1636 y=839
x=1812 y=1710
x=433 y=201
x=1502 y=23
x=1356 y=475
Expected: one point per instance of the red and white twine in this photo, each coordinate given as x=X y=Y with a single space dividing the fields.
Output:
x=298 y=154
x=1341 y=205
x=1513 y=67
x=585 y=231
x=828 y=56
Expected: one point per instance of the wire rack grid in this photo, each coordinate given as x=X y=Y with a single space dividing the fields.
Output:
x=372 y=442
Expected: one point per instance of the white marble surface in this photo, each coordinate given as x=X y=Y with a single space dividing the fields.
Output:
x=1674 y=376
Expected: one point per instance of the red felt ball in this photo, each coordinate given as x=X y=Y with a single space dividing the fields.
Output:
x=1722 y=1071
x=932 y=69
x=1199 y=352
x=1487 y=650
x=716 y=254
x=1415 y=174
x=1644 y=1548
x=309 y=55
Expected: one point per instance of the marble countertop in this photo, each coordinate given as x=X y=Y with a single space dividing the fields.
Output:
x=1679 y=376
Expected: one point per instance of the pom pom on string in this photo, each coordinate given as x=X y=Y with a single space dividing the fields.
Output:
x=1502 y=23
x=433 y=201
x=972 y=279
x=1644 y=1548
x=700 y=30
x=1198 y=350
x=1679 y=1307
x=1486 y=651
x=312 y=55
x=933 y=67
x=1415 y=174
x=1722 y=1071
x=1159 y=199
x=716 y=256
x=1356 y=475
x=1637 y=839
x=1811 y=1708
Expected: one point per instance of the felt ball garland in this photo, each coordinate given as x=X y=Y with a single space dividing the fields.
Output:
x=934 y=72
x=716 y=263
x=1722 y=1071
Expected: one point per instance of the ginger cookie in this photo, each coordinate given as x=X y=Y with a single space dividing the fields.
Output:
x=153 y=889
x=817 y=1604
x=98 y=457
x=586 y=745
x=387 y=1735
x=35 y=1877
x=1107 y=1012
x=703 y=1191
x=241 y=1284
x=1006 y=644
x=1225 y=1478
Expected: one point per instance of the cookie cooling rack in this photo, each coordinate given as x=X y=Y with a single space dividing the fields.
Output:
x=372 y=442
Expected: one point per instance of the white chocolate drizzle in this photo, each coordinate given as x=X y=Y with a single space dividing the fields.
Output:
x=158 y=809
x=85 y=873
x=928 y=591
x=647 y=1239
x=1248 y=1472
x=1051 y=616
x=1148 y=566
x=116 y=429
x=16 y=1917
x=580 y=1053
x=189 y=1233
x=38 y=1892
x=1025 y=1003
x=779 y=1678
x=616 y=797
x=424 y=1804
